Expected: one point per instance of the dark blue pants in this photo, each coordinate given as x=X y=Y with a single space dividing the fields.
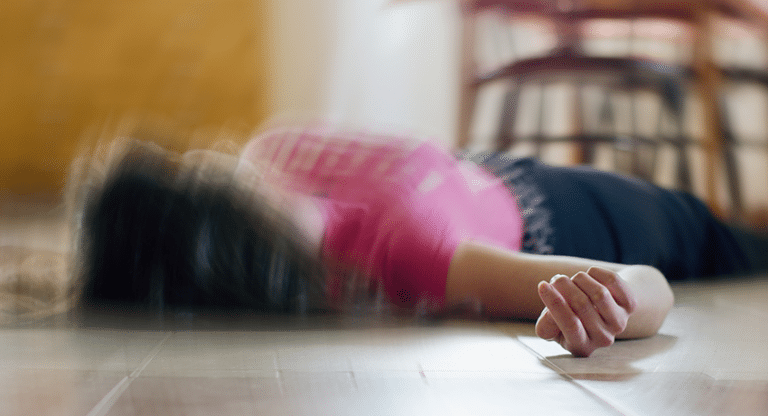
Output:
x=606 y=216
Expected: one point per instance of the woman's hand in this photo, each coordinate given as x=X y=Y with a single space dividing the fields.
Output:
x=585 y=312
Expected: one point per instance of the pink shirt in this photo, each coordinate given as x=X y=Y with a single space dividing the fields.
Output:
x=395 y=209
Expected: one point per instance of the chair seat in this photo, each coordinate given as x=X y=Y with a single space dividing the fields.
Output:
x=642 y=72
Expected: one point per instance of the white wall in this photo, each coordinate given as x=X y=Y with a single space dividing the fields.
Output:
x=369 y=63
x=302 y=42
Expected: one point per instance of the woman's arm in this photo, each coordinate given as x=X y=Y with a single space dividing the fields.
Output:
x=507 y=284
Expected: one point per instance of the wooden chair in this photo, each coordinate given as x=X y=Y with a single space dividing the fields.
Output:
x=630 y=73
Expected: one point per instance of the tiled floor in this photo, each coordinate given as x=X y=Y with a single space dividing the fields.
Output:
x=710 y=358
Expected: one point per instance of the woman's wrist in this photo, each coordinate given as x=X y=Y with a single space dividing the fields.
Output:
x=654 y=300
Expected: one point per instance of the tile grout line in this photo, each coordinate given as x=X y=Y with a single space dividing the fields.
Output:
x=567 y=377
x=106 y=403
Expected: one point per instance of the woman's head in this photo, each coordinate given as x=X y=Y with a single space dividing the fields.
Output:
x=158 y=232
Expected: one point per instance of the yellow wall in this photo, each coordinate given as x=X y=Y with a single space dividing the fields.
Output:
x=67 y=65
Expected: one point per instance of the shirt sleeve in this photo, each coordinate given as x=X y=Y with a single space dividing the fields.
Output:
x=418 y=256
x=408 y=255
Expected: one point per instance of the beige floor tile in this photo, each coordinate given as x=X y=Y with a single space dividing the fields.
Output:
x=314 y=358
x=215 y=353
x=449 y=348
x=293 y=394
x=103 y=350
x=35 y=391
x=372 y=381
x=342 y=394
x=739 y=360
x=624 y=357
x=392 y=349
x=540 y=395
x=297 y=384
x=481 y=351
x=193 y=396
x=682 y=394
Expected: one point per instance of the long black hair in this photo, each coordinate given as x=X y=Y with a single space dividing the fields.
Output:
x=159 y=234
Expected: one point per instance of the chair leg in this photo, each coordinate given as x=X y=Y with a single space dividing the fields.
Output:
x=635 y=165
x=659 y=137
x=467 y=87
x=608 y=122
x=606 y=111
x=585 y=149
x=731 y=170
x=538 y=138
x=674 y=98
x=683 y=166
x=467 y=102
x=505 y=135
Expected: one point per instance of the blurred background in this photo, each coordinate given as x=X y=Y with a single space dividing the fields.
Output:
x=470 y=74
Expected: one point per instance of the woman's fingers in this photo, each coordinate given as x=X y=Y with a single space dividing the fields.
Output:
x=546 y=327
x=598 y=333
x=574 y=336
x=585 y=312
x=619 y=289
x=614 y=317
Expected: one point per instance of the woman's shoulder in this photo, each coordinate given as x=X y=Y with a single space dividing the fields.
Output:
x=333 y=136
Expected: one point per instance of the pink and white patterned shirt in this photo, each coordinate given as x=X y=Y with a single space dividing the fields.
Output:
x=394 y=208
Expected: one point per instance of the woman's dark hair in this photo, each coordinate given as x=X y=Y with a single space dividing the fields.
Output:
x=158 y=234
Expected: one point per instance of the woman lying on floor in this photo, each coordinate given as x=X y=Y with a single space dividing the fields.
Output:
x=310 y=219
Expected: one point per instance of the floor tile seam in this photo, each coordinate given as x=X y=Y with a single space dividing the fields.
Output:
x=552 y=366
x=105 y=404
x=595 y=395
x=353 y=375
